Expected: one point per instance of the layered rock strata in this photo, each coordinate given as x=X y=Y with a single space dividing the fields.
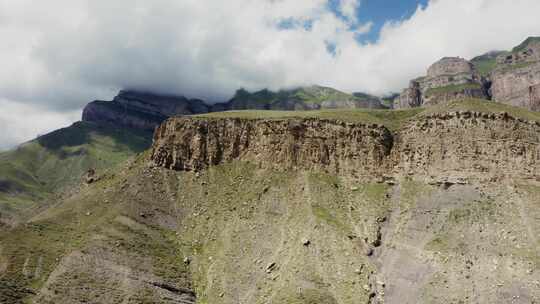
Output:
x=516 y=79
x=333 y=146
x=448 y=79
x=458 y=146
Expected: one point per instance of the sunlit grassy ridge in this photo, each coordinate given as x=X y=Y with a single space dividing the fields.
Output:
x=483 y=106
x=392 y=119
x=33 y=171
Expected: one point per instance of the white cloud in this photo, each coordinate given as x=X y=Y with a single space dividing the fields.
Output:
x=61 y=54
x=21 y=122
x=348 y=9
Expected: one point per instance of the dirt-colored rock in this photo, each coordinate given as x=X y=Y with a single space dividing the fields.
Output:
x=448 y=148
x=448 y=79
x=516 y=80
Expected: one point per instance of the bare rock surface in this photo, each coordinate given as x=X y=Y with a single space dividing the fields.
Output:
x=448 y=147
x=448 y=79
x=516 y=80
x=142 y=111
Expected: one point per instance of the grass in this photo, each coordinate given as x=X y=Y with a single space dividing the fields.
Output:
x=307 y=95
x=392 y=119
x=454 y=88
x=54 y=162
x=485 y=66
x=483 y=106
x=525 y=44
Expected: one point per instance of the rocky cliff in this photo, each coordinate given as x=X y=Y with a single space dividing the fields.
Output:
x=459 y=145
x=507 y=77
x=141 y=110
x=430 y=205
x=333 y=146
x=516 y=78
x=450 y=78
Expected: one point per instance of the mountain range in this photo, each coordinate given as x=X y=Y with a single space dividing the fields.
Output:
x=302 y=196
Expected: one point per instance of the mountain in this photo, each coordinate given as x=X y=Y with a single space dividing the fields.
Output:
x=35 y=173
x=508 y=77
x=427 y=205
x=486 y=63
x=139 y=110
x=304 y=98
x=145 y=111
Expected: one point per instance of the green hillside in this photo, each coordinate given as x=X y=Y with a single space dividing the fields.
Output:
x=236 y=232
x=303 y=98
x=486 y=63
x=31 y=173
x=392 y=119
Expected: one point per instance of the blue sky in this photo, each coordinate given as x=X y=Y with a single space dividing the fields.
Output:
x=380 y=11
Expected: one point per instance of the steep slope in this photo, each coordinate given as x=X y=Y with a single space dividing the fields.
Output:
x=516 y=78
x=139 y=110
x=287 y=208
x=485 y=64
x=35 y=172
x=450 y=78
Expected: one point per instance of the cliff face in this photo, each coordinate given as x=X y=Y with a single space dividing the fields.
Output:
x=142 y=111
x=457 y=145
x=336 y=147
x=516 y=79
x=448 y=79
x=469 y=145
x=511 y=77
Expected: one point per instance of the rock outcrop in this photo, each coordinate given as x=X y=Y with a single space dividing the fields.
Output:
x=141 y=110
x=507 y=77
x=449 y=79
x=516 y=79
x=469 y=145
x=333 y=146
x=461 y=145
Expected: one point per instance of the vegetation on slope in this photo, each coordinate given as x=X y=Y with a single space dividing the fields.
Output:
x=310 y=95
x=453 y=88
x=32 y=172
x=392 y=119
x=483 y=106
x=486 y=63
x=526 y=44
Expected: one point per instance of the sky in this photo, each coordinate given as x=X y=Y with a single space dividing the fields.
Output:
x=56 y=56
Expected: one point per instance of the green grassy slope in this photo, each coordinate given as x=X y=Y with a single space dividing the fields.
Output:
x=389 y=118
x=392 y=119
x=108 y=243
x=314 y=95
x=34 y=171
x=486 y=63
x=115 y=239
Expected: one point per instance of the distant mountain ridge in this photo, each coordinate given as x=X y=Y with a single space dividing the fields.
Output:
x=145 y=111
